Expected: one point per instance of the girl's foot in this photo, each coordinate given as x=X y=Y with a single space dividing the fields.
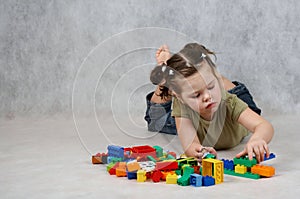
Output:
x=162 y=54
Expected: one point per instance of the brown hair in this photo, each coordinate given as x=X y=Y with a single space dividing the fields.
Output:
x=184 y=63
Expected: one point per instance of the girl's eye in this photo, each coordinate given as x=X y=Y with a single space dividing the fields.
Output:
x=196 y=96
x=211 y=87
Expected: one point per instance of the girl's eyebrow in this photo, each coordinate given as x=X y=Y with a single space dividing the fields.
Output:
x=209 y=84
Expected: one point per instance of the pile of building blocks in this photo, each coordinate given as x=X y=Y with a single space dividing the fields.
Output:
x=142 y=163
x=243 y=167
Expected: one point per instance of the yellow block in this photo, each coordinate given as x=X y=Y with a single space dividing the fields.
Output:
x=141 y=176
x=240 y=169
x=171 y=179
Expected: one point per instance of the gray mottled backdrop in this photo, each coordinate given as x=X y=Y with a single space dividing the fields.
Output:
x=95 y=56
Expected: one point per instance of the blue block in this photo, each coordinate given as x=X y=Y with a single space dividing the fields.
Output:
x=228 y=164
x=272 y=155
x=208 y=181
x=115 y=151
x=131 y=175
x=196 y=180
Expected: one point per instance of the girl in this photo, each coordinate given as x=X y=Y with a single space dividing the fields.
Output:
x=206 y=116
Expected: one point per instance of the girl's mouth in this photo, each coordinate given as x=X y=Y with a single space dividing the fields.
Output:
x=211 y=105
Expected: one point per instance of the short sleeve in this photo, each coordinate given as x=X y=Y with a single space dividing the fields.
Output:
x=179 y=109
x=235 y=105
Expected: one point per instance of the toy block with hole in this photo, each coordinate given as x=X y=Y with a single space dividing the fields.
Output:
x=214 y=168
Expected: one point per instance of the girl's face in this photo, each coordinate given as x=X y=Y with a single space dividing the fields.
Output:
x=201 y=92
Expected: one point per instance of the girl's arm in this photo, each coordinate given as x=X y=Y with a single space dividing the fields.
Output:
x=262 y=134
x=189 y=140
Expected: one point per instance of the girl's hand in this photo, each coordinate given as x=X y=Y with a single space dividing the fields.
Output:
x=202 y=150
x=256 y=147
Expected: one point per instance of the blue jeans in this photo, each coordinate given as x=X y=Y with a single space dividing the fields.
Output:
x=159 y=119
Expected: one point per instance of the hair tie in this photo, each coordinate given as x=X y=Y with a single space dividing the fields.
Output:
x=171 y=72
x=163 y=68
x=203 y=55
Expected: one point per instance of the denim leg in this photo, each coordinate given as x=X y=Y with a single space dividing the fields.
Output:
x=158 y=116
x=243 y=93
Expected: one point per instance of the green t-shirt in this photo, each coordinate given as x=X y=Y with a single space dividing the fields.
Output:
x=223 y=131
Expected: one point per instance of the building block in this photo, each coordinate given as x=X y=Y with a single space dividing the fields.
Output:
x=246 y=175
x=115 y=151
x=113 y=159
x=170 y=157
x=165 y=173
x=112 y=171
x=214 y=168
x=166 y=165
x=196 y=169
x=149 y=157
x=272 y=156
x=131 y=175
x=141 y=176
x=241 y=169
x=133 y=166
x=148 y=166
x=185 y=179
x=171 y=179
x=143 y=151
x=156 y=176
x=208 y=156
x=172 y=154
x=265 y=171
x=245 y=161
x=208 y=181
x=182 y=161
x=228 y=164
x=109 y=166
x=121 y=172
x=159 y=151
x=196 y=180
x=97 y=159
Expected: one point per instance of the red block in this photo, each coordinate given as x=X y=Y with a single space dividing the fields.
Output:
x=166 y=166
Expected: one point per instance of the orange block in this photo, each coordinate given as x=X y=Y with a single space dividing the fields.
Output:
x=96 y=159
x=266 y=171
x=133 y=166
x=121 y=172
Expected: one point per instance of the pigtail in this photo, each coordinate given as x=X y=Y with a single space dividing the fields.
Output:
x=160 y=75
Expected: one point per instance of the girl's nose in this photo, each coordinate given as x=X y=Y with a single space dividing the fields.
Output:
x=207 y=97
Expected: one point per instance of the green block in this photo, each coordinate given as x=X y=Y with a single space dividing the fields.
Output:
x=109 y=166
x=149 y=157
x=183 y=181
x=246 y=175
x=178 y=172
x=210 y=156
x=170 y=157
x=244 y=161
x=159 y=151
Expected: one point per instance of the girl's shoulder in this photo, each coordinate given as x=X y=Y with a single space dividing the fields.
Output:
x=234 y=105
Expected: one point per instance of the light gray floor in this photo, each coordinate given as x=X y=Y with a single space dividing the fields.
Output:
x=49 y=158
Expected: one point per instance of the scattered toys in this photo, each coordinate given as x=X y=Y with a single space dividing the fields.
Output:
x=146 y=162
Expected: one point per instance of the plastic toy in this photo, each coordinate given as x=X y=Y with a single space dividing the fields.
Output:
x=145 y=162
